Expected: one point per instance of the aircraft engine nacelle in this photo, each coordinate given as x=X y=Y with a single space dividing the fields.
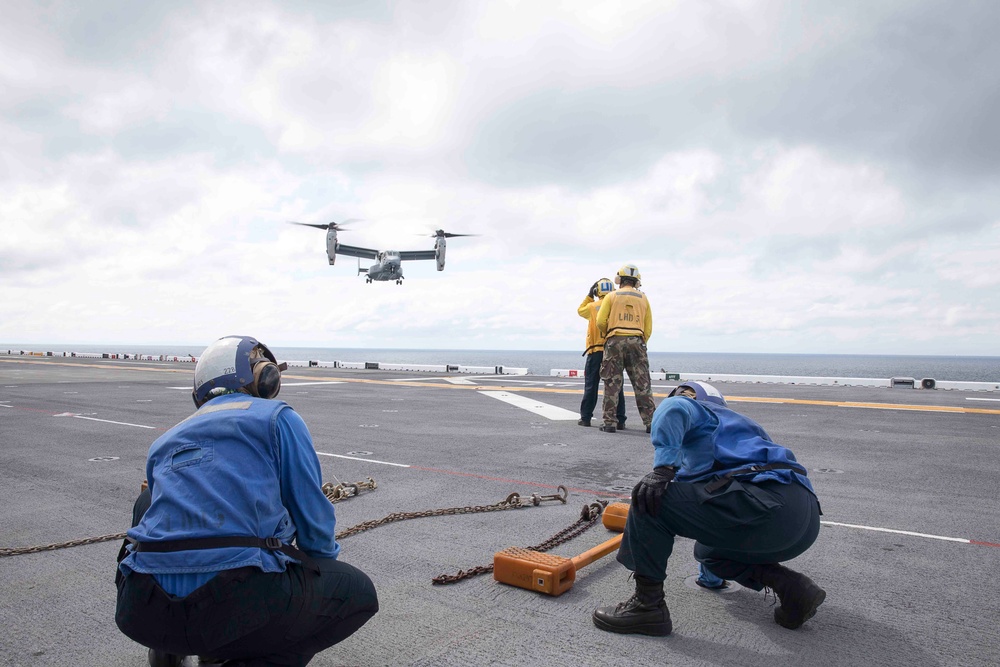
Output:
x=331 y=244
x=439 y=248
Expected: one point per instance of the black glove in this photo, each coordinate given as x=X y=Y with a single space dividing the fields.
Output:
x=593 y=291
x=648 y=493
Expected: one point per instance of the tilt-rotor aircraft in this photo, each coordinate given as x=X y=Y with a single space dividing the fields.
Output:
x=388 y=264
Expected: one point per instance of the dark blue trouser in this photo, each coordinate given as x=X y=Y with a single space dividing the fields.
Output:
x=264 y=618
x=735 y=528
x=591 y=388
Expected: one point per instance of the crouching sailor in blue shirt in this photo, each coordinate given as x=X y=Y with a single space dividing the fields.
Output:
x=718 y=479
x=209 y=568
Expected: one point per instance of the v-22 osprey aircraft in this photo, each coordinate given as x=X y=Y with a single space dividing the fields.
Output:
x=388 y=262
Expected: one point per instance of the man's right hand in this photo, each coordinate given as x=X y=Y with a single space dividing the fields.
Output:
x=648 y=493
x=593 y=291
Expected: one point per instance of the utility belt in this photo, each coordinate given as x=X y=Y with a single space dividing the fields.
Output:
x=722 y=481
x=269 y=543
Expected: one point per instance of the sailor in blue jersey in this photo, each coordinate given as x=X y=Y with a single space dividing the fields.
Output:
x=209 y=567
x=718 y=479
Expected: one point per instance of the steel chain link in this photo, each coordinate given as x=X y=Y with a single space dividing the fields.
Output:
x=334 y=493
x=588 y=517
x=337 y=493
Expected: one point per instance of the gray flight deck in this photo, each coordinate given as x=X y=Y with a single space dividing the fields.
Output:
x=74 y=435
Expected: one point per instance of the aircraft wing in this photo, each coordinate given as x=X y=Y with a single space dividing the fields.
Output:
x=354 y=251
x=417 y=254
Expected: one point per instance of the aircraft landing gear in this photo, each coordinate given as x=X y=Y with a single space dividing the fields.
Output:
x=368 y=280
x=399 y=281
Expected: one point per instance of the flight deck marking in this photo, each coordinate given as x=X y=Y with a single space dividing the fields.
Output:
x=107 y=421
x=911 y=533
x=746 y=399
x=960 y=540
x=531 y=405
x=358 y=458
x=981 y=399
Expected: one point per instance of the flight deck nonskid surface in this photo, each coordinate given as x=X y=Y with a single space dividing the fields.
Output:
x=75 y=435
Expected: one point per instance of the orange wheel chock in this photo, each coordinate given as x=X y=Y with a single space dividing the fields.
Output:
x=551 y=574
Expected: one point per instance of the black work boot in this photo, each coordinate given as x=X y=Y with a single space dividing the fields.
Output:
x=161 y=659
x=608 y=428
x=799 y=595
x=645 y=613
x=583 y=422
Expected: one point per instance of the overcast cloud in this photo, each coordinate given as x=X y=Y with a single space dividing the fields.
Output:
x=816 y=177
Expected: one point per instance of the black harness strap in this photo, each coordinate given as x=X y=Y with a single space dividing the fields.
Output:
x=720 y=482
x=270 y=543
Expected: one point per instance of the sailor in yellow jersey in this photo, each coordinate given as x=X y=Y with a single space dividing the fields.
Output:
x=595 y=354
x=626 y=322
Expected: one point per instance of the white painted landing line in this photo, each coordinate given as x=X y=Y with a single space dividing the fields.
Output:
x=981 y=399
x=356 y=458
x=106 y=421
x=532 y=405
x=897 y=532
x=283 y=384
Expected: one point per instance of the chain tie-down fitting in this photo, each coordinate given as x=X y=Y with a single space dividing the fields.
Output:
x=588 y=517
x=512 y=501
x=334 y=494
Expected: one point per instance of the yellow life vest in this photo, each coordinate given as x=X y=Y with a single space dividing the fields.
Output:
x=627 y=316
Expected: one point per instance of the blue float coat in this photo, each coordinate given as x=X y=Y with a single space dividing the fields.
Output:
x=239 y=466
x=703 y=440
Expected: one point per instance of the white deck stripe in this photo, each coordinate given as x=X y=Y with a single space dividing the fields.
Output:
x=981 y=399
x=533 y=405
x=108 y=421
x=898 y=532
x=303 y=384
x=355 y=458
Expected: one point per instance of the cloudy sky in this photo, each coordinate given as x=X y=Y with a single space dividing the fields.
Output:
x=815 y=177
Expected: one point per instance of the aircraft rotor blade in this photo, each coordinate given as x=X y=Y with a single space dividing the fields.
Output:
x=336 y=226
x=448 y=235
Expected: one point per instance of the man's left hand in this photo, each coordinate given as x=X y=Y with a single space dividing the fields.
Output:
x=648 y=493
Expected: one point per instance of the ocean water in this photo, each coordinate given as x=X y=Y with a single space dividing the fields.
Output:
x=540 y=362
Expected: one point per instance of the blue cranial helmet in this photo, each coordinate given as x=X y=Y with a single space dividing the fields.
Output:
x=233 y=363
x=702 y=392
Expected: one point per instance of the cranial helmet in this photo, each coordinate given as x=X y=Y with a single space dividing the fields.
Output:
x=703 y=391
x=233 y=363
x=628 y=271
x=604 y=287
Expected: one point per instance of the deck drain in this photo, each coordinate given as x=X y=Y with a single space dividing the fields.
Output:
x=829 y=471
x=620 y=488
x=553 y=444
x=360 y=453
x=104 y=458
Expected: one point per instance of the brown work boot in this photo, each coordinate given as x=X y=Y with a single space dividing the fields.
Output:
x=645 y=613
x=799 y=595
x=608 y=428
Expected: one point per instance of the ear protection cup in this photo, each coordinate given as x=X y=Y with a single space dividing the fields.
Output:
x=266 y=380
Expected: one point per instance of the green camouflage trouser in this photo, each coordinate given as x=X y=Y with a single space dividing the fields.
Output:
x=626 y=353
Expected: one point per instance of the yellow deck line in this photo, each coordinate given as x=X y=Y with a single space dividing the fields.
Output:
x=550 y=390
